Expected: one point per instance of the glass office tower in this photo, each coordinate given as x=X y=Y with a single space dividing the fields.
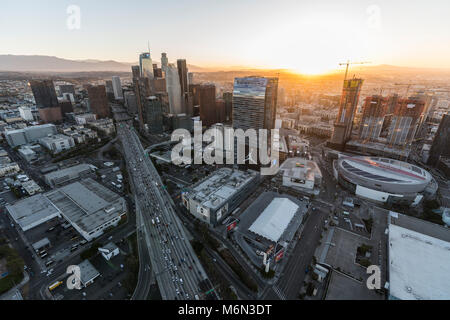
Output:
x=146 y=65
x=255 y=103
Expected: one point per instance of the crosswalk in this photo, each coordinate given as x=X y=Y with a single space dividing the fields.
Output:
x=279 y=293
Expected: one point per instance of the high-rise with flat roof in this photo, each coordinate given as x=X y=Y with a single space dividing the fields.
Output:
x=130 y=100
x=136 y=71
x=146 y=65
x=184 y=84
x=228 y=98
x=153 y=115
x=441 y=143
x=142 y=90
x=46 y=100
x=164 y=61
x=174 y=89
x=98 y=101
x=255 y=103
x=117 y=88
x=204 y=96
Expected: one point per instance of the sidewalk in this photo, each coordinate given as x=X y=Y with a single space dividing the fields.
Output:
x=13 y=292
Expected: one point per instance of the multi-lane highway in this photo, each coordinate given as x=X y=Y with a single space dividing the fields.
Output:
x=177 y=269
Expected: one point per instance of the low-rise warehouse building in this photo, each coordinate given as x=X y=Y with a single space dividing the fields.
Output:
x=57 y=143
x=301 y=174
x=29 y=134
x=88 y=206
x=64 y=176
x=27 y=153
x=33 y=211
x=88 y=273
x=213 y=198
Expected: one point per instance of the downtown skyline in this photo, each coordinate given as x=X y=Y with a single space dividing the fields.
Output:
x=302 y=37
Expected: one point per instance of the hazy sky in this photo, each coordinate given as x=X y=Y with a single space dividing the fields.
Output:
x=306 y=36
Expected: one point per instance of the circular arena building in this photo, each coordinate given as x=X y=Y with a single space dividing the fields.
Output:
x=384 y=180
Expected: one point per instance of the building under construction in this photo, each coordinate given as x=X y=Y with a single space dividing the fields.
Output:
x=406 y=119
x=389 y=125
x=373 y=115
x=344 y=123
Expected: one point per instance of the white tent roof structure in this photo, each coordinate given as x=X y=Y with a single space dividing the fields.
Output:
x=274 y=220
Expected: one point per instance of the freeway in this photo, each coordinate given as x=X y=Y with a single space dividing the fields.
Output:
x=178 y=272
x=145 y=275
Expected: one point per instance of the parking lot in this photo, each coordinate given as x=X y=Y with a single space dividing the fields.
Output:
x=349 y=219
x=64 y=241
x=342 y=287
x=108 y=286
x=112 y=178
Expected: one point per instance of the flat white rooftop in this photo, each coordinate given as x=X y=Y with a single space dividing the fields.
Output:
x=419 y=266
x=214 y=190
x=301 y=168
x=274 y=220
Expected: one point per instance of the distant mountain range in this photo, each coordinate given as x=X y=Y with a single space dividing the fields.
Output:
x=43 y=64
x=36 y=63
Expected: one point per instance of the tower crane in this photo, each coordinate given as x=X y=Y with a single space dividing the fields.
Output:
x=408 y=87
x=348 y=63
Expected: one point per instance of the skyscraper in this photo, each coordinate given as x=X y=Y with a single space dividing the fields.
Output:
x=158 y=73
x=153 y=115
x=205 y=97
x=228 y=98
x=173 y=89
x=98 y=101
x=46 y=100
x=183 y=74
x=66 y=106
x=344 y=123
x=184 y=84
x=255 y=103
x=44 y=93
x=146 y=65
x=130 y=100
x=142 y=90
x=117 y=88
x=164 y=61
x=441 y=143
x=136 y=71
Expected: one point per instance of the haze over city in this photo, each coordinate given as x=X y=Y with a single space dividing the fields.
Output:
x=305 y=37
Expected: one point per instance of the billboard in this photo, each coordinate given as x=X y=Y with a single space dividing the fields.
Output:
x=232 y=226
x=279 y=256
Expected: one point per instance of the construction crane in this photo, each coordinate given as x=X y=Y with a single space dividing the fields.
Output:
x=408 y=87
x=348 y=63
